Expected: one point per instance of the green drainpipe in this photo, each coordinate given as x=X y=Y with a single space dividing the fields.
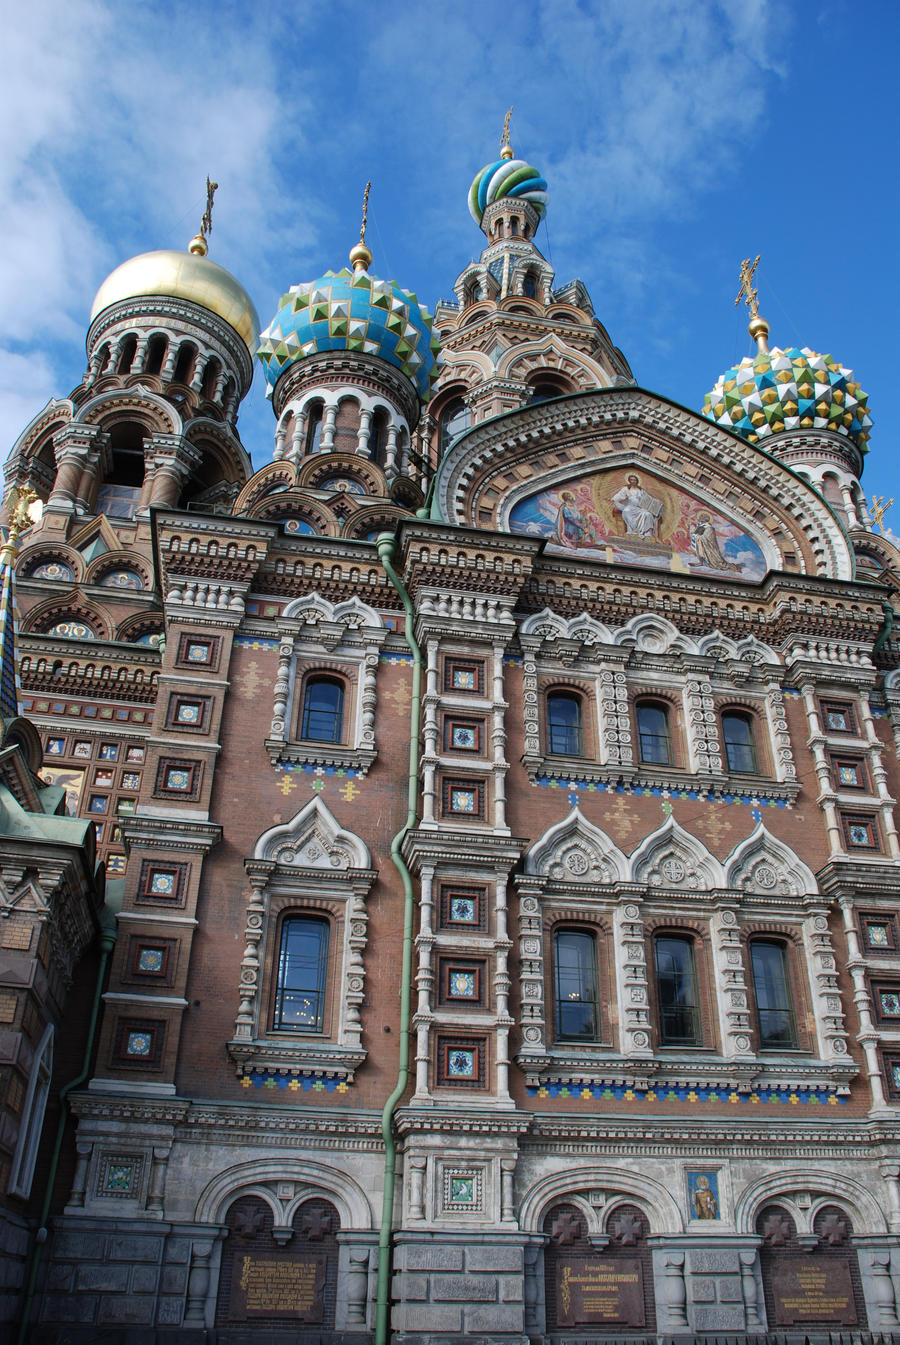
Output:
x=382 y=1325
x=107 y=943
x=886 y=630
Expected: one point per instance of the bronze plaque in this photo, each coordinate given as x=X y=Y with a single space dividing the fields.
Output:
x=813 y=1289
x=591 y=1290
x=279 y=1285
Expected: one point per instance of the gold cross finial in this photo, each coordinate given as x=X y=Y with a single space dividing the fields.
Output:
x=198 y=244
x=506 y=150
x=879 y=509
x=206 y=222
x=747 y=293
x=365 y=214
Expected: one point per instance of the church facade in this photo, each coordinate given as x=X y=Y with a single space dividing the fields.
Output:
x=496 y=792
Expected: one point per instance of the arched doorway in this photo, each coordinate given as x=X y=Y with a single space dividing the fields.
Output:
x=600 y=1284
x=273 y=1277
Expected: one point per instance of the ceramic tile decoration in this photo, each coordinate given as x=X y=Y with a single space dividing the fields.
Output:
x=162 y=883
x=109 y=751
x=178 y=778
x=464 y=910
x=461 y=1063
x=150 y=960
x=139 y=1043
x=188 y=712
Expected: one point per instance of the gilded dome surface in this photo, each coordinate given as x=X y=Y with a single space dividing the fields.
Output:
x=789 y=389
x=507 y=178
x=183 y=275
x=352 y=310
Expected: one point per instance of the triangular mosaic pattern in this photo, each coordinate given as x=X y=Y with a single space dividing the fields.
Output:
x=352 y=311
x=789 y=390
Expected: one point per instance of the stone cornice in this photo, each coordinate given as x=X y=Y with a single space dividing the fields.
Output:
x=171 y=833
x=445 y=845
x=184 y=311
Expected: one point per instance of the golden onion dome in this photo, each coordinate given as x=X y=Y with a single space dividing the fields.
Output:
x=183 y=275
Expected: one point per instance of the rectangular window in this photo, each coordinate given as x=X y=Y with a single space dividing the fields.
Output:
x=300 y=985
x=859 y=832
x=462 y=908
x=464 y=675
x=462 y=735
x=676 y=990
x=464 y=798
x=575 y=963
x=774 y=1010
x=838 y=717
x=461 y=1061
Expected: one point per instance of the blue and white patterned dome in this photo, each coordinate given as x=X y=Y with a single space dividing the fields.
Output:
x=507 y=177
x=352 y=310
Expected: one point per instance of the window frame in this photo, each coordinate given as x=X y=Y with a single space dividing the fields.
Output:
x=557 y=694
x=277 y=1025
x=314 y=678
x=594 y=1037
x=788 y=1008
x=663 y=706
x=744 y=717
x=31 y=1117
x=666 y=1040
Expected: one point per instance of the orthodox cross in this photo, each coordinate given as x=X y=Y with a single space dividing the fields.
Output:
x=206 y=222
x=504 y=137
x=747 y=292
x=879 y=509
x=365 y=214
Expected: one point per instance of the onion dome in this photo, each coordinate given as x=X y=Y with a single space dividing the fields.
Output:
x=793 y=389
x=183 y=275
x=354 y=311
x=507 y=177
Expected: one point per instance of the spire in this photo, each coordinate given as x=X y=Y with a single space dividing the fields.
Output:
x=26 y=510
x=506 y=149
x=757 y=327
x=198 y=244
x=360 y=255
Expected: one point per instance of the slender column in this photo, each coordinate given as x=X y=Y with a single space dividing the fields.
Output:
x=507 y=1189
x=879 y=776
x=173 y=460
x=750 y=1291
x=391 y=452
x=425 y=982
x=820 y=959
x=675 y=1291
x=417 y=1166
x=890 y=1172
x=198 y=1283
x=502 y=945
x=498 y=740
x=731 y=987
x=329 y=416
x=823 y=771
x=245 y=1023
x=631 y=965
x=430 y=734
x=157 y=1180
x=531 y=964
x=867 y=1036
x=362 y=435
x=140 y=355
x=849 y=505
x=883 y=1288
x=79 y=1181
x=73 y=447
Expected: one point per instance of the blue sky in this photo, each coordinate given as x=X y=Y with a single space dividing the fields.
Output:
x=677 y=138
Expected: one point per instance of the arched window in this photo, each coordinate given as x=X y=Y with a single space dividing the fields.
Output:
x=185 y=363
x=377 y=443
x=653 y=733
x=529 y=286
x=564 y=729
x=575 y=963
x=771 y=987
x=300 y=987
x=210 y=378
x=456 y=418
x=676 y=991
x=156 y=354
x=542 y=392
x=313 y=427
x=323 y=711
x=126 y=355
x=740 y=747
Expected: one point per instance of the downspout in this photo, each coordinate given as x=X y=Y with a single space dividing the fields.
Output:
x=886 y=630
x=385 y=546
x=107 y=943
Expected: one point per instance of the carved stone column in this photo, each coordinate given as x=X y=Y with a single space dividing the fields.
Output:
x=731 y=986
x=430 y=734
x=750 y=1291
x=198 y=1283
x=868 y=1036
x=157 y=1184
x=172 y=460
x=531 y=965
x=675 y=1291
x=879 y=776
x=823 y=973
x=245 y=1023
x=424 y=1017
x=631 y=970
x=83 y=1153
x=785 y=769
x=75 y=446
x=278 y=729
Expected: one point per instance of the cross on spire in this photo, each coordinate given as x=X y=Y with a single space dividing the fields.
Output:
x=747 y=293
x=506 y=150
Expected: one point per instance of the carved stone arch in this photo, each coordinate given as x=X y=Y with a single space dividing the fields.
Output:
x=375 y=518
x=589 y=631
x=462 y=371
x=355 y=613
x=74 y=609
x=37 y=434
x=313 y=839
x=137 y=403
x=43 y=553
x=285 y=506
x=673 y=859
x=867 y=1213
x=550 y=351
x=575 y=850
x=516 y=303
x=136 y=627
x=213 y=438
x=763 y=864
x=662 y=1210
x=544 y=625
x=118 y=560
x=653 y=635
x=274 y=477
x=248 y=1178
x=315 y=471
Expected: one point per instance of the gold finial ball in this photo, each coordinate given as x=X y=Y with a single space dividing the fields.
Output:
x=360 y=257
x=759 y=330
x=507 y=152
x=198 y=245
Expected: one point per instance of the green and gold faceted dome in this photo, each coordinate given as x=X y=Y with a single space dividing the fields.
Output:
x=353 y=311
x=793 y=389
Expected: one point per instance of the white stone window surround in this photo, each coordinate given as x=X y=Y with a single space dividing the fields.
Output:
x=305 y=866
x=696 y=678
x=342 y=640
x=576 y=865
